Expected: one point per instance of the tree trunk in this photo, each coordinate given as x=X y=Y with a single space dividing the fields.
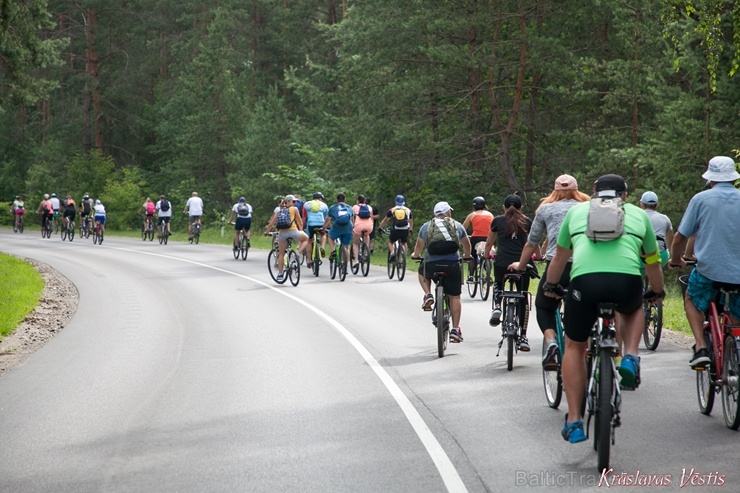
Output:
x=92 y=86
x=476 y=137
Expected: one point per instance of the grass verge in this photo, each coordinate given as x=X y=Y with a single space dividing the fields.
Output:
x=25 y=284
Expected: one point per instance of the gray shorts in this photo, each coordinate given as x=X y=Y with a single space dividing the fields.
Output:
x=288 y=234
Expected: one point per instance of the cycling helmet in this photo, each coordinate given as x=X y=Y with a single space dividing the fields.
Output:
x=97 y=202
x=400 y=200
x=53 y=195
x=479 y=203
x=319 y=195
x=46 y=196
x=17 y=197
x=242 y=199
x=86 y=196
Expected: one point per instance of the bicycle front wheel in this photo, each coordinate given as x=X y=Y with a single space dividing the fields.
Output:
x=236 y=251
x=353 y=262
x=294 y=268
x=704 y=386
x=485 y=279
x=553 y=381
x=730 y=384
x=401 y=263
x=472 y=285
x=272 y=266
x=334 y=265
x=143 y=232
x=653 y=324
x=604 y=410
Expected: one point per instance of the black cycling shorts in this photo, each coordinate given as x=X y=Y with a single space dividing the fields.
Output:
x=244 y=223
x=452 y=282
x=312 y=229
x=587 y=291
x=398 y=234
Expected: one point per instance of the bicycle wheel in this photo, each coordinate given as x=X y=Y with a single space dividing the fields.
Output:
x=96 y=237
x=333 y=266
x=485 y=279
x=510 y=336
x=439 y=312
x=151 y=232
x=64 y=234
x=730 y=384
x=21 y=226
x=236 y=251
x=704 y=386
x=553 y=381
x=196 y=238
x=604 y=410
x=343 y=264
x=294 y=267
x=472 y=285
x=244 y=248
x=653 y=324
x=272 y=266
x=353 y=262
x=401 y=263
x=391 y=266
x=71 y=232
x=166 y=235
x=364 y=259
x=143 y=232
x=316 y=258
x=55 y=224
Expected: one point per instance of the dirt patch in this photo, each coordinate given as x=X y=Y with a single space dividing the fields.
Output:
x=56 y=307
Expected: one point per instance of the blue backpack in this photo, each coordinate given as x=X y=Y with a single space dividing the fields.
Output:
x=283 y=218
x=364 y=212
x=343 y=215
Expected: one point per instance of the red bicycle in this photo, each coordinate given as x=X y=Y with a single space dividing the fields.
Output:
x=722 y=374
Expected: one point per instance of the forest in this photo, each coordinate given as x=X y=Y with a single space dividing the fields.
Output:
x=435 y=100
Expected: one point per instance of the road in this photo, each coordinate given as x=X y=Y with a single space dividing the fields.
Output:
x=186 y=370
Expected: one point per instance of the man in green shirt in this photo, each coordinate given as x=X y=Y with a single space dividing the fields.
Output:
x=603 y=271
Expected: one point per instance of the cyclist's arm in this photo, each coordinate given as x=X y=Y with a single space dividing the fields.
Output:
x=299 y=221
x=678 y=245
x=420 y=246
x=383 y=222
x=465 y=242
x=468 y=221
x=557 y=265
x=231 y=216
x=489 y=243
x=524 y=258
x=655 y=274
x=271 y=223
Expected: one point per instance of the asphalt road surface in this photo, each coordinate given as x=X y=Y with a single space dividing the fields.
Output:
x=186 y=370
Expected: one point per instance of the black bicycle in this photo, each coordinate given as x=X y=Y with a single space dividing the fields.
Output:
x=242 y=249
x=513 y=321
x=653 y=321
x=481 y=275
x=396 y=262
x=363 y=258
x=195 y=229
x=291 y=262
x=339 y=260
x=147 y=229
x=164 y=233
x=68 y=231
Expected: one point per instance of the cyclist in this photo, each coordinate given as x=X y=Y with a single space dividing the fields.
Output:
x=711 y=216
x=402 y=223
x=376 y=215
x=603 y=271
x=243 y=213
x=293 y=232
x=86 y=208
x=164 y=213
x=70 y=209
x=194 y=209
x=547 y=220
x=509 y=231
x=363 y=225
x=661 y=224
x=339 y=217
x=480 y=220
x=100 y=215
x=46 y=209
x=149 y=208
x=443 y=236
x=17 y=210
x=315 y=212
x=55 y=204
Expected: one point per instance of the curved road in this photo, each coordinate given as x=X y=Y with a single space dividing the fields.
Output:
x=186 y=370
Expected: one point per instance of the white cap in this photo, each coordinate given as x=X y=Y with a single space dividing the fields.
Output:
x=721 y=168
x=442 y=208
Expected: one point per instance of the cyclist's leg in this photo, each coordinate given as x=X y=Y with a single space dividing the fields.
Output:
x=302 y=242
x=453 y=288
x=699 y=294
x=282 y=245
x=237 y=228
x=356 y=242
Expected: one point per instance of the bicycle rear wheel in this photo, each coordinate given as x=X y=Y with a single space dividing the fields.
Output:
x=150 y=232
x=64 y=234
x=71 y=232
x=730 y=377
x=704 y=387
x=510 y=336
x=401 y=263
x=316 y=258
x=353 y=262
x=442 y=331
x=391 y=266
x=553 y=381
x=364 y=259
x=334 y=265
x=472 y=285
x=294 y=268
x=244 y=247
x=236 y=250
x=343 y=263
x=485 y=279
x=21 y=226
x=653 y=324
x=604 y=410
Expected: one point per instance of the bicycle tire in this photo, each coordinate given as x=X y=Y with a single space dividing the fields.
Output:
x=705 y=389
x=71 y=233
x=604 y=410
x=151 y=232
x=166 y=236
x=64 y=234
x=316 y=257
x=21 y=226
x=553 y=381
x=343 y=264
x=472 y=285
x=365 y=257
x=196 y=238
x=485 y=279
x=440 y=321
x=294 y=267
x=509 y=338
x=391 y=266
x=401 y=263
x=354 y=263
x=143 y=232
x=730 y=375
x=653 y=325
x=272 y=266
x=244 y=248
x=334 y=264
x=55 y=225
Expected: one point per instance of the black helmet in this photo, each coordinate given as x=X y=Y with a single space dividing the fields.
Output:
x=479 y=203
x=318 y=195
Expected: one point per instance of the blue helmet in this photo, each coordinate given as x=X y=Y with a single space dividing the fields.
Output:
x=400 y=200
x=242 y=199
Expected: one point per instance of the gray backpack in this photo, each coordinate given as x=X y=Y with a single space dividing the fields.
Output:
x=605 y=219
x=442 y=236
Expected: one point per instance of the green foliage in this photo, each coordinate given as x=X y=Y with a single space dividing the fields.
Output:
x=122 y=197
x=27 y=286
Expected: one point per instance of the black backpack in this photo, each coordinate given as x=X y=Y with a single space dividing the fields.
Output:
x=164 y=205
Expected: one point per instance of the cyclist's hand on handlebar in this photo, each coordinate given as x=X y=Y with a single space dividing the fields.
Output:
x=514 y=267
x=677 y=265
x=467 y=259
x=652 y=297
x=553 y=290
x=417 y=257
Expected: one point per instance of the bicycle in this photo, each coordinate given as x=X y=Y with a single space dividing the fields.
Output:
x=363 y=260
x=147 y=229
x=291 y=262
x=18 y=225
x=482 y=281
x=653 y=321
x=553 y=378
x=338 y=261
x=242 y=249
x=68 y=231
x=513 y=321
x=164 y=233
x=46 y=227
x=195 y=229
x=55 y=223
x=316 y=251
x=396 y=262
x=85 y=226
x=722 y=374
x=98 y=234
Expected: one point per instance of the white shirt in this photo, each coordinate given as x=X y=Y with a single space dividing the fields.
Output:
x=236 y=207
x=54 y=203
x=99 y=210
x=195 y=206
x=160 y=212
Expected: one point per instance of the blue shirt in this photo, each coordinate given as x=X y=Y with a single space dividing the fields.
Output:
x=340 y=229
x=315 y=218
x=452 y=256
x=713 y=216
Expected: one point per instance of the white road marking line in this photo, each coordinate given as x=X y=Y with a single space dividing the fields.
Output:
x=444 y=465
